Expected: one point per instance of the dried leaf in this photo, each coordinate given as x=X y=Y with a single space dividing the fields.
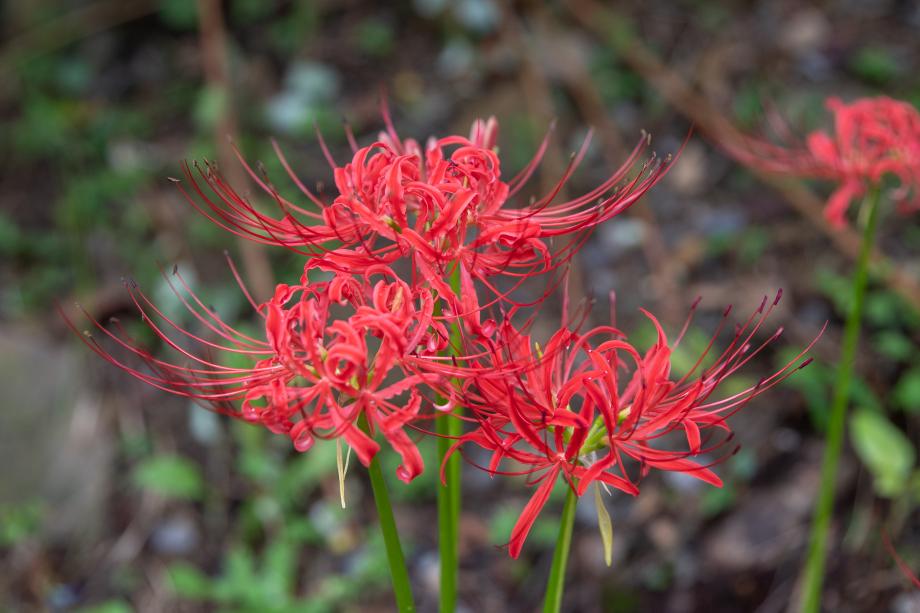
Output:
x=342 y=467
x=604 y=524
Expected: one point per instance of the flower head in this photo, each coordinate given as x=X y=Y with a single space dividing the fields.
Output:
x=872 y=138
x=591 y=407
x=439 y=205
x=312 y=374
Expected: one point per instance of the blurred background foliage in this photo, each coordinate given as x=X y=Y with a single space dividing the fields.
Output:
x=116 y=498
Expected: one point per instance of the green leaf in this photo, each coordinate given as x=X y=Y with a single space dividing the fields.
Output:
x=9 y=235
x=894 y=345
x=715 y=500
x=211 y=105
x=884 y=449
x=906 y=393
x=19 y=522
x=109 y=606
x=170 y=476
x=179 y=14
x=883 y=308
x=875 y=65
x=246 y=11
x=279 y=568
x=187 y=581
x=604 y=524
x=836 y=288
x=375 y=37
x=813 y=383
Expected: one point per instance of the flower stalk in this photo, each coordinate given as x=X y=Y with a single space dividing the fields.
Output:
x=449 y=428
x=399 y=574
x=817 y=550
x=447 y=523
x=552 y=601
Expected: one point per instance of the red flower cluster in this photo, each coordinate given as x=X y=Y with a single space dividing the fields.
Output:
x=872 y=138
x=440 y=207
x=314 y=374
x=591 y=403
x=367 y=351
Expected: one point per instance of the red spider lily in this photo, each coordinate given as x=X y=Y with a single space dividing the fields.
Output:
x=591 y=403
x=312 y=375
x=872 y=138
x=441 y=205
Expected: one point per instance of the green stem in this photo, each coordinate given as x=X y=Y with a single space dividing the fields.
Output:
x=817 y=549
x=398 y=572
x=449 y=427
x=447 y=528
x=552 y=601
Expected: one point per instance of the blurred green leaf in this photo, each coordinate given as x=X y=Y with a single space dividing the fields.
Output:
x=239 y=576
x=170 y=476
x=715 y=500
x=906 y=393
x=187 y=581
x=615 y=83
x=74 y=75
x=179 y=14
x=894 y=345
x=305 y=471
x=862 y=394
x=279 y=572
x=835 y=288
x=884 y=449
x=9 y=235
x=19 y=522
x=875 y=65
x=302 y=530
x=109 y=606
x=245 y=11
x=46 y=127
x=543 y=533
x=688 y=352
x=914 y=487
x=93 y=200
x=748 y=105
x=752 y=244
x=210 y=107
x=883 y=308
x=813 y=383
x=375 y=37
x=290 y=34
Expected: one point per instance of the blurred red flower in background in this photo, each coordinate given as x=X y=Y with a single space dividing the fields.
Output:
x=872 y=138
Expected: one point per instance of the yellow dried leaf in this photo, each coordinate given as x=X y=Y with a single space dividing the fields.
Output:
x=342 y=465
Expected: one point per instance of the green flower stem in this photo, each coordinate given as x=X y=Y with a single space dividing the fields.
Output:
x=817 y=549
x=552 y=601
x=447 y=527
x=399 y=574
x=449 y=427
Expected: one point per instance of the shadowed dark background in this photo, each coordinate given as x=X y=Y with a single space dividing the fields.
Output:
x=116 y=497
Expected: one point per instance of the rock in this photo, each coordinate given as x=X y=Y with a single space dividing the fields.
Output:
x=908 y=602
x=690 y=174
x=772 y=522
x=176 y=535
x=52 y=440
x=805 y=32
